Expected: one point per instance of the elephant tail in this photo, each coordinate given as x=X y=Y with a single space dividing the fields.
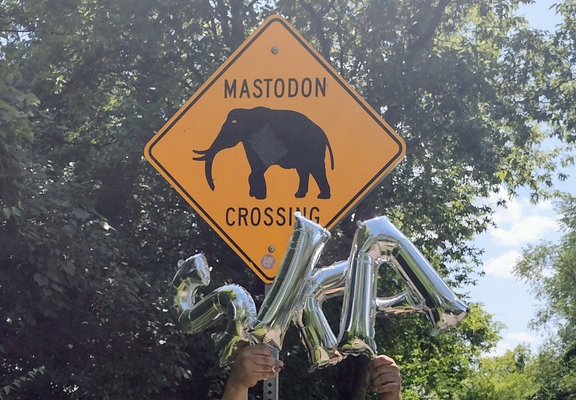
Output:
x=331 y=155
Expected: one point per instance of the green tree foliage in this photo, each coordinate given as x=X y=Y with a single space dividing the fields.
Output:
x=551 y=271
x=90 y=234
x=18 y=382
x=559 y=93
x=434 y=367
x=501 y=378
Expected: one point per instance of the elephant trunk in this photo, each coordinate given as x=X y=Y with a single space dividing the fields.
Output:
x=208 y=157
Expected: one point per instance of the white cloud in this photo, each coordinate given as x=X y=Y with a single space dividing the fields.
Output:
x=521 y=337
x=499 y=350
x=511 y=213
x=521 y=222
x=502 y=265
x=525 y=230
x=511 y=340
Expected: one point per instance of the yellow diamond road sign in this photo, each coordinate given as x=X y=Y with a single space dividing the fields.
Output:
x=275 y=130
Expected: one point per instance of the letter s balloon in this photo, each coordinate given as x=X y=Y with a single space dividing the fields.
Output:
x=231 y=302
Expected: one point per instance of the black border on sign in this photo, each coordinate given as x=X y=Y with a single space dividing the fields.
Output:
x=336 y=77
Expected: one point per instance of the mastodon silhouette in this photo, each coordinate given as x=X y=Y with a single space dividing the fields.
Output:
x=273 y=137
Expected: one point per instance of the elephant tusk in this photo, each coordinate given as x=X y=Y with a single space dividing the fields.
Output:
x=200 y=151
x=203 y=158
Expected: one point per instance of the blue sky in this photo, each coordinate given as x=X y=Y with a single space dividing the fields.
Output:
x=520 y=224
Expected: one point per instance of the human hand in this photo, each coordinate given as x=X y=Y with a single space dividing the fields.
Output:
x=253 y=364
x=385 y=378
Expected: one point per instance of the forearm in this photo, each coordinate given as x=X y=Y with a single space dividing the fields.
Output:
x=234 y=391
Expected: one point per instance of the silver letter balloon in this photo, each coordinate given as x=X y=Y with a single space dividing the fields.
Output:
x=300 y=288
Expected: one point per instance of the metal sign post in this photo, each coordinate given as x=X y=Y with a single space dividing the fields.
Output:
x=270 y=386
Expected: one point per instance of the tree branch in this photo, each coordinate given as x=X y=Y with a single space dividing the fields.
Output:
x=237 y=32
x=222 y=13
x=318 y=25
x=392 y=115
x=428 y=33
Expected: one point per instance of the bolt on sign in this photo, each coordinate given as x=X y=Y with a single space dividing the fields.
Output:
x=275 y=130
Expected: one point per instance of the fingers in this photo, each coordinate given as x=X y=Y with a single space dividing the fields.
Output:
x=260 y=354
x=381 y=360
x=255 y=363
x=270 y=368
x=260 y=349
x=386 y=382
x=267 y=361
x=272 y=372
x=385 y=375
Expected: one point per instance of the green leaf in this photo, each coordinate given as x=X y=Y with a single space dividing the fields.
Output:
x=53 y=275
x=28 y=134
x=41 y=279
x=80 y=213
x=61 y=203
x=70 y=230
x=69 y=268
